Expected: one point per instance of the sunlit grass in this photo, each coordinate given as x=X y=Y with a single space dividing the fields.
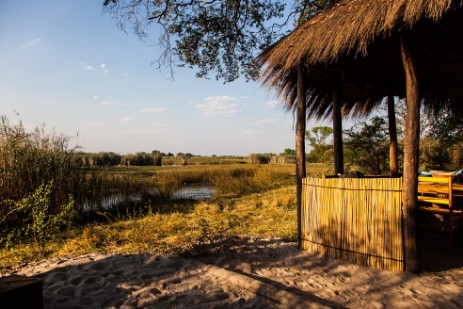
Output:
x=252 y=200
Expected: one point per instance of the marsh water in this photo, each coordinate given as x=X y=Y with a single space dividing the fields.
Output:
x=198 y=193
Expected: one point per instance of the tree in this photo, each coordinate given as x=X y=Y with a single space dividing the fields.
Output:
x=157 y=157
x=288 y=152
x=321 y=151
x=442 y=139
x=184 y=157
x=221 y=36
x=367 y=146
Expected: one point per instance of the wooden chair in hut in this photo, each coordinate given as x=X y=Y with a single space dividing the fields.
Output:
x=436 y=199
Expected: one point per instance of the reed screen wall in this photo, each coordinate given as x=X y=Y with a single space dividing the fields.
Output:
x=356 y=219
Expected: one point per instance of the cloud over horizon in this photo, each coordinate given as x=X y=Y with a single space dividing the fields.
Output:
x=33 y=42
x=151 y=110
x=154 y=128
x=126 y=119
x=107 y=103
x=264 y=121
x=102 y=68
x=272 y=104
x=219 y=105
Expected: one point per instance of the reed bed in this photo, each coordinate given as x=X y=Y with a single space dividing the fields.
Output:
x=359 y=220
x=203 y=229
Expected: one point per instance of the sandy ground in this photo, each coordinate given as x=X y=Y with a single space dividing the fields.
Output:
x=259 y=273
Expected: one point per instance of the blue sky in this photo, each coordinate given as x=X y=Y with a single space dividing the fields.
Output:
x=67 y=65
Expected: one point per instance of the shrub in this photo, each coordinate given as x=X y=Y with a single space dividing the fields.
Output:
x=29 y=159
x=33 y=218
x=38 y=175
x=258 y=158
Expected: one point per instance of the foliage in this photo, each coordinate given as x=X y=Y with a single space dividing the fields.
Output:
x=288 y=152
x=106 y=159
x=442 y=139
x=114 y=159
x=37 y=221
x=221 y=36
x=321 y=151
x=142 y=159
x=30 y=159
x=367 y=146
x=183 y=158
x=260 y=158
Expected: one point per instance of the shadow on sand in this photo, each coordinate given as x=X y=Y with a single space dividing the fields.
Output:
x=434 y=254
x=242 y=273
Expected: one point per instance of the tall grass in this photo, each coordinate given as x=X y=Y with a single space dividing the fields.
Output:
x=44 y=193
x=29 y=159
x=225 y=179
x=38 y=179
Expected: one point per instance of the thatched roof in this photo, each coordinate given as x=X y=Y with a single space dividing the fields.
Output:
x=359 y=41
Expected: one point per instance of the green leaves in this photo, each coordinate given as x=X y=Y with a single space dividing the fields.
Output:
x=367 y=146
x=321 y=151
x=215 y=36
x=38 y=223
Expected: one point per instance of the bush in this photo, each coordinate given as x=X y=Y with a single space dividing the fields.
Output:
x=258 y=158
x=33 y=220
x=38 y=175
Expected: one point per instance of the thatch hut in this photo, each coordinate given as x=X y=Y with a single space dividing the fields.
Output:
x=355 y=53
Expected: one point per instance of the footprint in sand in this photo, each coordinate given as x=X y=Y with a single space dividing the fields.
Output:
x=67 y=291
x=58 y=276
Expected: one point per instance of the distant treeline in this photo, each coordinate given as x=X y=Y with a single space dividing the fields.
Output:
x=115 y=159
x=157 y=158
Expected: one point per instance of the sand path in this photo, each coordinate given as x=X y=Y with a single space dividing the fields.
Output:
x=266 y=273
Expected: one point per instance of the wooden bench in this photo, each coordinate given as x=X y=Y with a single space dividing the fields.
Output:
x=436 y=197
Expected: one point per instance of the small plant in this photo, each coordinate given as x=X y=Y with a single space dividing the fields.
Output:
x=38 y=223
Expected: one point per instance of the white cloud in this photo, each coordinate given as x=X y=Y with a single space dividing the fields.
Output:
x=107 y=103
x=151 y=110
x=97 y=125
x=154 y=128
x=219 y=105
x=95 y=97
x=250 y=132
x=272 y=104
x=104 y=68
x=126 y=119
x=264 y=121
x=33 y=42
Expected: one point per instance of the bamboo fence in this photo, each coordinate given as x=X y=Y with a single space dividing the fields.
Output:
x=355 y=219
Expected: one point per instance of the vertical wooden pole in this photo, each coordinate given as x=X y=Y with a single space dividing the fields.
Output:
x=337 y=129
x=300 y=145
x=411 y=156
x=393 y=154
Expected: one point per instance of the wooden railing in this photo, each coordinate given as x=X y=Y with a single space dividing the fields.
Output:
x=356 y=219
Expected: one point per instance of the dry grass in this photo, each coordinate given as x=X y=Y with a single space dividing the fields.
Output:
x=272 y=213
x=188 y=228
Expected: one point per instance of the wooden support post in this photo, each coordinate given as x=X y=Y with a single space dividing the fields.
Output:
x=393 y=155
x=337 y=129
x=411 y=156
x=300 y=145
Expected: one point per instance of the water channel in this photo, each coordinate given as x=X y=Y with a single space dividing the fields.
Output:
x=198 y=193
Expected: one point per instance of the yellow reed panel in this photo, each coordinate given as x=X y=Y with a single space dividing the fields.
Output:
x=354 y=219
